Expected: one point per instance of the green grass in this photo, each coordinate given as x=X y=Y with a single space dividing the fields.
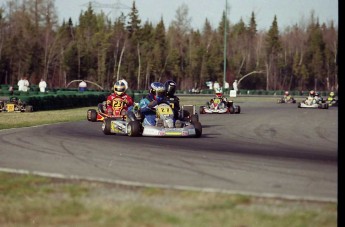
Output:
x=25 y=119
x=28 y=200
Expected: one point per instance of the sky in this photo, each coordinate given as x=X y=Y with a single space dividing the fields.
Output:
x=288 y=12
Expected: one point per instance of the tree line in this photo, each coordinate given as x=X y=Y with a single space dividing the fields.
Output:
x=102 y=50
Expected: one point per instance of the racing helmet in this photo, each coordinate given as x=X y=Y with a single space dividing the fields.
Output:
x=331 y=94
x=119 y=87
x=219 y=95
x=317 y=93
x=14 y=99
x=170 y=87
x=157 y=90
x=312 y=93
x=219 y=92
x=286 y=93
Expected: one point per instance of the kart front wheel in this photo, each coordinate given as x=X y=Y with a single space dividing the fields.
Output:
x=92 y=115
x=106 y=126
x=133 y=128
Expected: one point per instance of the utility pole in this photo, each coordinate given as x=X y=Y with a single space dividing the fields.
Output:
x=225 y=43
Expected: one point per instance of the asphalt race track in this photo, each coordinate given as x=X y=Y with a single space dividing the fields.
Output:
x=269 y=149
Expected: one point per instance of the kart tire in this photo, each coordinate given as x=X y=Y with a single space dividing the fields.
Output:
x=201 y=110
x=299 y=105
x=92 y=115
x=29 y=109
x=133 y=128
x=198 y=129
x=106 y=126
x=238 y=109
x=231 y=110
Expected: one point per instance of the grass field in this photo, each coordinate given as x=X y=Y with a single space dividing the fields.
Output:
x=28 y=200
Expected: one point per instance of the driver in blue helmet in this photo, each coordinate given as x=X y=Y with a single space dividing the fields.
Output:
x=156 y=95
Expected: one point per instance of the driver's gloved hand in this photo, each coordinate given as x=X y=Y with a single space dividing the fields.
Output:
x=152 y=104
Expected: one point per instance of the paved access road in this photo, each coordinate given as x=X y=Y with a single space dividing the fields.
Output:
x=268 y=149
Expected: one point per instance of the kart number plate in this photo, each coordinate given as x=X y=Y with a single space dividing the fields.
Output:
x=10 y=107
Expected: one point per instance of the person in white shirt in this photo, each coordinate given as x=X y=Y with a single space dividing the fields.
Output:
x=82 y=86
x=20 y=84
x=26 y=84
x=234 y=85
x=42 y=85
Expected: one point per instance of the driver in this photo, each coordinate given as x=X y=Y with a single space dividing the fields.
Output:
x=170 y=87
x=120 y=88
x=318 y=98
x=219 y=95
x=311 y=98
x=287 y=97
x=156 y=95
x=331 y=98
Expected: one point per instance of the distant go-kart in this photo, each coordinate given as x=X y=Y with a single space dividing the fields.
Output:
x=189 y=126
x=332 y=102
x=284 y=100
x=15 y=105
x=118 y=111
x=218 y=106
x=312 y=103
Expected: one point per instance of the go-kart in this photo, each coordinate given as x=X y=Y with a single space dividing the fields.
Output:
x=332 y=102
x=284 y=100
x=312 y=103
x=188 y=126
x=15 y=105
x=118 y=111
x=218 y=106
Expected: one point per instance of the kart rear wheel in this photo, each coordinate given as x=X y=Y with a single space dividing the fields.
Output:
x=325 y=105
x=231 y=110
x=238 y=109
x=201 y=110
x=92 y=115
x=133 y=128
x=106 y=126
x=198 y=129
x=299 y=105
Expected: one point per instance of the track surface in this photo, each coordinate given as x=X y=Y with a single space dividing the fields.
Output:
x=269 y=149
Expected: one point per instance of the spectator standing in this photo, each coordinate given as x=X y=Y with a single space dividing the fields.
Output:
x=26 y=84
x=42 y=85
x=234 y=85
x=82 y=86
x=21 y=84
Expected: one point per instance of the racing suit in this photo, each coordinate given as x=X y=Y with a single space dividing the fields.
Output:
x=128 y=101
x=287 y=98
x=147 y=105
x=331 y=99
x=174 y=102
